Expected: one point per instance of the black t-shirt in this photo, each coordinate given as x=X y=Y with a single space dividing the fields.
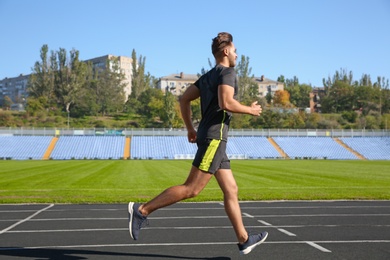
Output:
x=215 y=122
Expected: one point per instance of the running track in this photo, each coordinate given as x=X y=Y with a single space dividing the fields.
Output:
x=297 y=230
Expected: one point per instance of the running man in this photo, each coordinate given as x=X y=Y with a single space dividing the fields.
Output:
x=216 y=90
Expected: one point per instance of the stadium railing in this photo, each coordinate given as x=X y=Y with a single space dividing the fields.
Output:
x=182 y=132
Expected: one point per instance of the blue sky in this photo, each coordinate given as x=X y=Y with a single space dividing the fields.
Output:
x=308 y=39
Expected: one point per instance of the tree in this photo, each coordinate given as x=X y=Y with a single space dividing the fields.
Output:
x=196 y=111
x=299 y=93
x=294 y=121
x=342 y=75
x=246 y=83
x=69 y=78
x=339 y=97
x=7 y=102
x=109 y=88
x=139 y=81
x=145 y=98
x=41 y=80
x=282 y=98
x=292 y=82
x=169 y=109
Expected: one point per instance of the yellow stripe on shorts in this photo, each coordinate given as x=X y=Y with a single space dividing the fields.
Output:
x=209 y=155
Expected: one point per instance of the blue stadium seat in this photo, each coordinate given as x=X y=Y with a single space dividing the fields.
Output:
x=372 y=148
x=161 y=147
x=24 y=147
x=313 y=147
x=251 y=148
x=89 y=147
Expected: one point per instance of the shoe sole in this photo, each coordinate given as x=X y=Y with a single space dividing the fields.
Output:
x=250 y=248
x=131 y=211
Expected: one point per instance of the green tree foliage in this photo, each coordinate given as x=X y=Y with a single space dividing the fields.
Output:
x=196 y=111
x=61 y=83
x=69 y=78
x=41 y=81
x=247 y=88
x=140 y=80
x=7 y=103
x=108 y=88
x=169 y=109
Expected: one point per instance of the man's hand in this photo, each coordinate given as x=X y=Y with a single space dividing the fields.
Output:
x=191 y=134
x=255 y=109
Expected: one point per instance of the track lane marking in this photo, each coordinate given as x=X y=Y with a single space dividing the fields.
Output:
x=26 y=219
x=193 y=244
x=323 y=249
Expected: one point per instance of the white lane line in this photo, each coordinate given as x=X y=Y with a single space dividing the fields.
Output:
x=288 y=233
x=26 y=219
x=247 y=215
x=121 y=229
x=313 y=243
x=150 y=218
x=323 y=249
x=264 y=222
x=213 y=217
x=322 y=215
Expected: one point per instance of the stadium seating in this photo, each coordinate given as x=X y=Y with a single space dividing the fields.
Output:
x=178 y=147
x=161 y=147
x=251 y=148
x=313 y=148
x=372 y=148
x=23 y=147
x=89 y=147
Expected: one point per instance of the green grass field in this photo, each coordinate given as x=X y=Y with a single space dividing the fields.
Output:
x=120 y=181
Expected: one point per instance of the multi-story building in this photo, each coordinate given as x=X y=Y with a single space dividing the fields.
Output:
x=268 y=85
x=125 y=65
x=14 y=88
x=176 y=83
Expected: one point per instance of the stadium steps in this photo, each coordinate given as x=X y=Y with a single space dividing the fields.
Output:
x=358 y=155
x=126 y=152
x=277 y=147
x=50 y=148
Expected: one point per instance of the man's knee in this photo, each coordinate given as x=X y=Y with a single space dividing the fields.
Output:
x=232 y=190
x=193 y=192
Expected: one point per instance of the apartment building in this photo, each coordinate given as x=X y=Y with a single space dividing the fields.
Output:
x=125 y=65
x=14 y=88
x=267 y=85
x=176 y=83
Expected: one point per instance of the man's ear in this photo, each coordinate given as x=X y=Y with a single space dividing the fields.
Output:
x=226 y=51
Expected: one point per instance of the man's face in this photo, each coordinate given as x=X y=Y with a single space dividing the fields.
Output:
x=232 y=55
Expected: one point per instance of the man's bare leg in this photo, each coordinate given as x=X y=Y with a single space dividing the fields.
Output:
x=229 y=187
x=194 y=184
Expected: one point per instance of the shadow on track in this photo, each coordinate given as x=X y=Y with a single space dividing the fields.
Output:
x=70 y=254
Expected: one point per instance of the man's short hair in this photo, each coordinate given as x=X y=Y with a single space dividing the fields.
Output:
x=220 y=42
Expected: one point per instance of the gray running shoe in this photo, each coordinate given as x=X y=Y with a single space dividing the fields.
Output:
x=135 y=220
x=252 y=242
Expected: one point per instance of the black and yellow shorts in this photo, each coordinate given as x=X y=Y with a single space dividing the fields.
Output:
x=211 y=156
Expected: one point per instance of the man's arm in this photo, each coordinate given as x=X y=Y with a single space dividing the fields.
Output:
x=227 y=102
x=191 y=93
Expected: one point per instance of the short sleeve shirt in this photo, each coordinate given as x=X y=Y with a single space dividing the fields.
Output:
x=215 y=121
